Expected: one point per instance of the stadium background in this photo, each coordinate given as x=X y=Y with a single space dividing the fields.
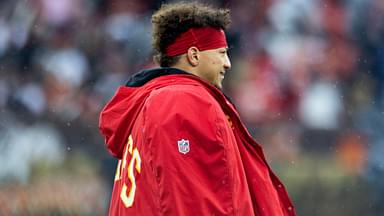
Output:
x=307 y=78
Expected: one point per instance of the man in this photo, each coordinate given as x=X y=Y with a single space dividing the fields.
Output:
x=182 y=147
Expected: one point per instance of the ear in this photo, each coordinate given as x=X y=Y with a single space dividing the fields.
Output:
x=193 y=56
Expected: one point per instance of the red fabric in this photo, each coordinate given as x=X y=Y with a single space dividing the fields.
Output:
x=204 y=38
x=224 y=173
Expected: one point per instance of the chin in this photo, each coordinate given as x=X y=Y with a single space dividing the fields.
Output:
x=219 y=86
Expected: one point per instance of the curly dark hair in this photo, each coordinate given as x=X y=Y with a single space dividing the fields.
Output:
x=171 y=20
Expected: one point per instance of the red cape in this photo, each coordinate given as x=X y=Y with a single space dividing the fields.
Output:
x=188 y=153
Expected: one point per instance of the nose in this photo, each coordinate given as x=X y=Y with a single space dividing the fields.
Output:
x=227 y=62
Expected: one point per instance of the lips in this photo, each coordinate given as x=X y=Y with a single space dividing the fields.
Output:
x=222 y=74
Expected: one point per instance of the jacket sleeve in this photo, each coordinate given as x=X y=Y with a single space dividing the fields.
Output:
x=186 y=153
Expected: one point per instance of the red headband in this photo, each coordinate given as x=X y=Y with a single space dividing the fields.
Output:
x=204 y=38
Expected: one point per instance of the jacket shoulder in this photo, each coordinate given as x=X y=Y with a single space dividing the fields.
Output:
x=183 y=92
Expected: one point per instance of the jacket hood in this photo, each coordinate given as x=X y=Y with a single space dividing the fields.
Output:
x=118 y=116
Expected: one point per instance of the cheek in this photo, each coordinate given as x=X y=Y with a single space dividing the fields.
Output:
x=216 y=61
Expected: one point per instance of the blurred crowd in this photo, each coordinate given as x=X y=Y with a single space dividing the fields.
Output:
x=307 y=78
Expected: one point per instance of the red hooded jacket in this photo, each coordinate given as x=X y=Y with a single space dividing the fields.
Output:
x=184 y=151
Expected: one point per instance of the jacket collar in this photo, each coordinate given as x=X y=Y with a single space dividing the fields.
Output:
x=142 y=77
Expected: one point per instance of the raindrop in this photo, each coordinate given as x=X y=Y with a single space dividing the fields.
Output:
x=68 y=148
x=69 y=124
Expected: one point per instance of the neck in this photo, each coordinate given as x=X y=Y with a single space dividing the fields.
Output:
x=185 y=66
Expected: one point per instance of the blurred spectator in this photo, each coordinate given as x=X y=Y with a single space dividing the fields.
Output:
x=23 y=144
x=60 y=12
x=321 y=106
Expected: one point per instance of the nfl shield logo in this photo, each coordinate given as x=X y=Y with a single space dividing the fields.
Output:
x=183 y=146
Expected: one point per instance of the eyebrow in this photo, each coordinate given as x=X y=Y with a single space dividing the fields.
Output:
x=228 y=49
